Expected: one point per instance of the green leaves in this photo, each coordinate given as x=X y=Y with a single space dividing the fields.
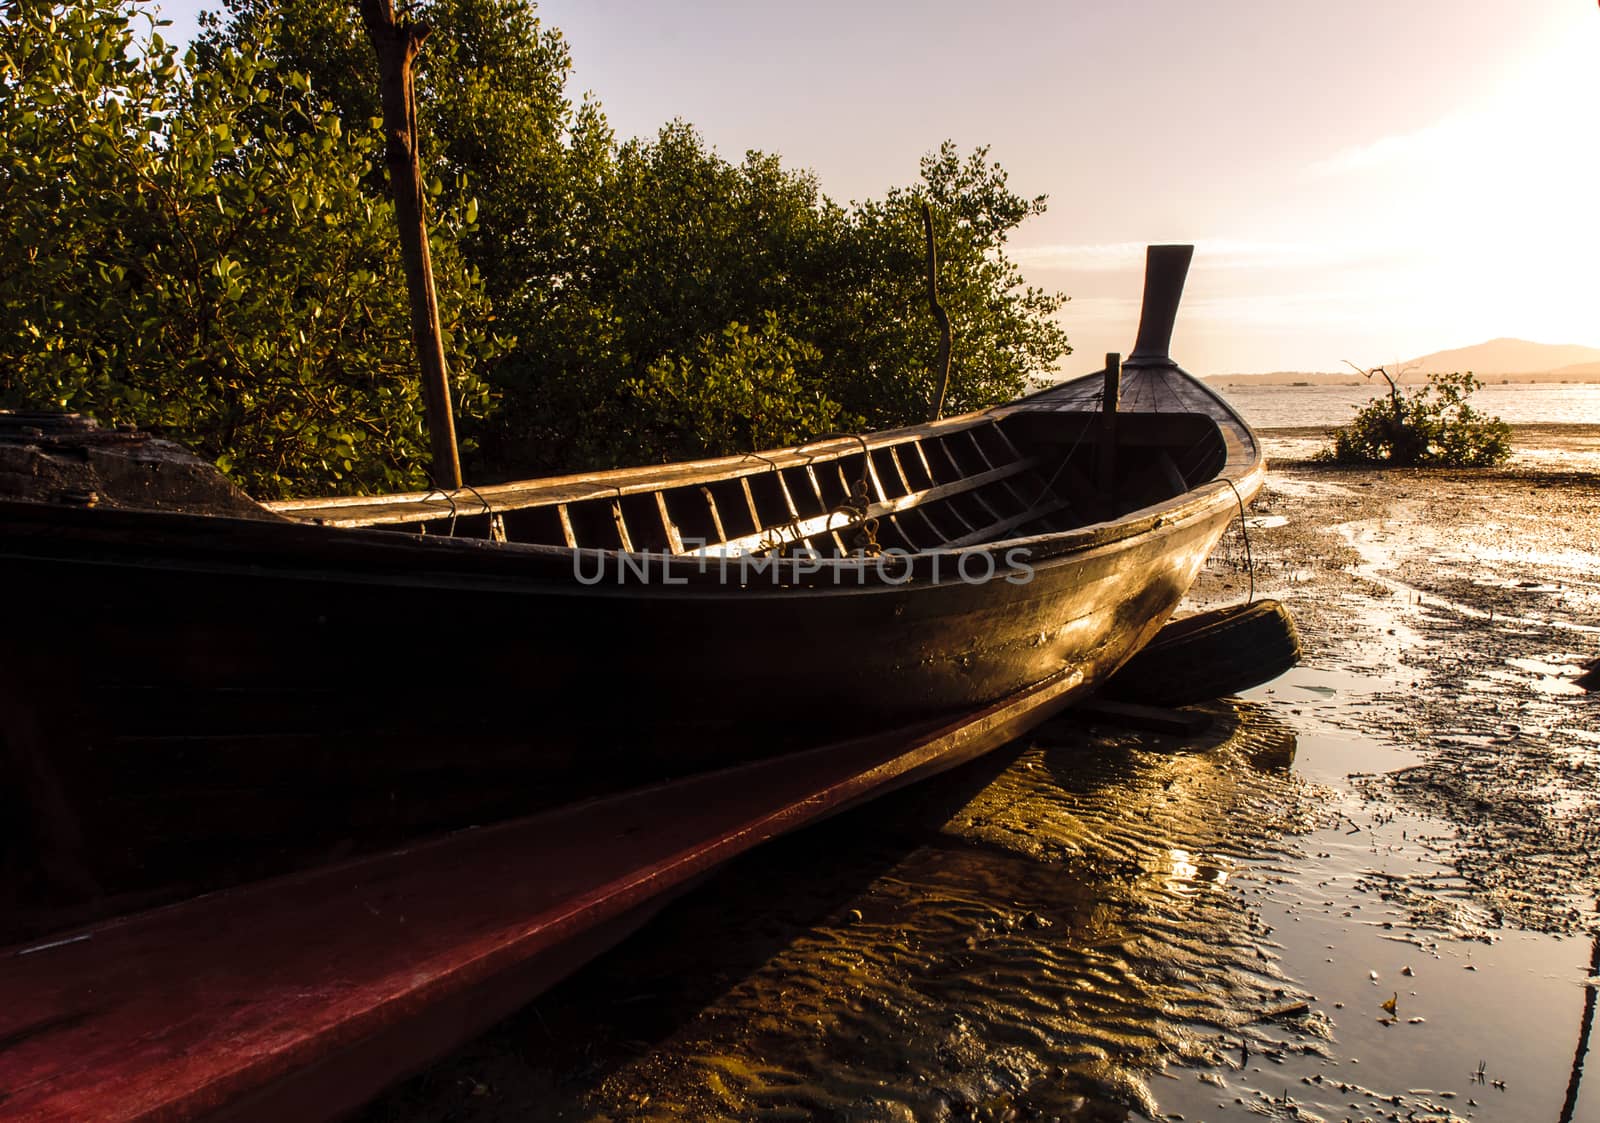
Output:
x=212 y=265
x=740 y=388
x=673 y=245
x=209 y=250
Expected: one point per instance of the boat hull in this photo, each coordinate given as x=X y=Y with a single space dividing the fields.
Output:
x=332 y=982
x=196 y=691
x=230 y=705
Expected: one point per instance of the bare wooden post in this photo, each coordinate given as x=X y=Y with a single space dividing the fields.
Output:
x=943 y=361
x=397 y=44
x=1107 y=467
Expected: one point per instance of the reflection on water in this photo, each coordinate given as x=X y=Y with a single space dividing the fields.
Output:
x=1569 y=1103
x=1187 y=877
x=1030 y=937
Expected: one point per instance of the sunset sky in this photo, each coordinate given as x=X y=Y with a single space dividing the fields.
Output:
x=1368 y=180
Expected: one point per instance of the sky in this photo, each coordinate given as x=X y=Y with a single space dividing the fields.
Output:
x=1369 y=180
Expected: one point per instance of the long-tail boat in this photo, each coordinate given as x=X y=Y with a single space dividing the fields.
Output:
x=240 y=743
x=198 y=690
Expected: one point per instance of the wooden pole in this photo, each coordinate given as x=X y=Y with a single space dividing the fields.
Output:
x=942 y=363
x=397 y=44
x=1110 y=400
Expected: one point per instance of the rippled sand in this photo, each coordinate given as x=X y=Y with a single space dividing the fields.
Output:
x=1033 y=934
x=1367 y=893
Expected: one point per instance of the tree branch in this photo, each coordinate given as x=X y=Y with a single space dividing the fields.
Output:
x=942 y=363
x=397 y=44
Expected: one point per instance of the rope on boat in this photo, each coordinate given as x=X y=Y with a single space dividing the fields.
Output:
x=487 y=509
x=854 y=508
x=448 y=498
x=497 y=525
x=858 y=503
x=1244 y=531
x=772 y=536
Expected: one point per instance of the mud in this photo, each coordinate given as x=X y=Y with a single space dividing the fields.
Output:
x=1468 y=603
x=1365 y=893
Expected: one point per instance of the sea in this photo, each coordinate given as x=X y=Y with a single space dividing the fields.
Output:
x=1537 y=403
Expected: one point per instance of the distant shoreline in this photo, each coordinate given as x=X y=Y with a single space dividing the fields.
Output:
x=1581 y=433
x=1568 y=449
x=1305 y=378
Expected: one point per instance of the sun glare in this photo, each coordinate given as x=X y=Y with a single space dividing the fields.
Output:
x=1510 y=211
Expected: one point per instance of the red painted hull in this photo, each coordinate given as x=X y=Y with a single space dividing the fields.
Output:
x=300 y=997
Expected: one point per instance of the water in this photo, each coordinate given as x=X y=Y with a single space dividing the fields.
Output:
x=1282 y=407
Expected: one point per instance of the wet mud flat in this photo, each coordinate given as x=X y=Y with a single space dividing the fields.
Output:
x=1368 y=891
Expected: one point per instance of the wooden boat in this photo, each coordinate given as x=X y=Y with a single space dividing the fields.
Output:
x=196 y=690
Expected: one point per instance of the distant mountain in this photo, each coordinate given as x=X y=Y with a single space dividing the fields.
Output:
x=1288 y=378
x=1514 y=360
x=1507 y=356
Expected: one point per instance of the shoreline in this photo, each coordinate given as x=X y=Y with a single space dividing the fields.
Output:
x=1303 y=380
x=1571 y=448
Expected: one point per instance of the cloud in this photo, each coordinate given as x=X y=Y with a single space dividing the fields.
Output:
x=1209 y=254
x=1100 y=309
x=1449 y=139
x=1285 y=312
x=1542 y=115
x=1094 y=258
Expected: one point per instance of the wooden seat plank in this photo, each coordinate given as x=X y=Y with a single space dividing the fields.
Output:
x=995 y=529
x=829 y=523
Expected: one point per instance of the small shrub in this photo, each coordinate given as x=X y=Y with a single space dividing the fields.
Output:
x=1430 y=426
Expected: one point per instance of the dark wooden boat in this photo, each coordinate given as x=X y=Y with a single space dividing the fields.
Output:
x=197 y=691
